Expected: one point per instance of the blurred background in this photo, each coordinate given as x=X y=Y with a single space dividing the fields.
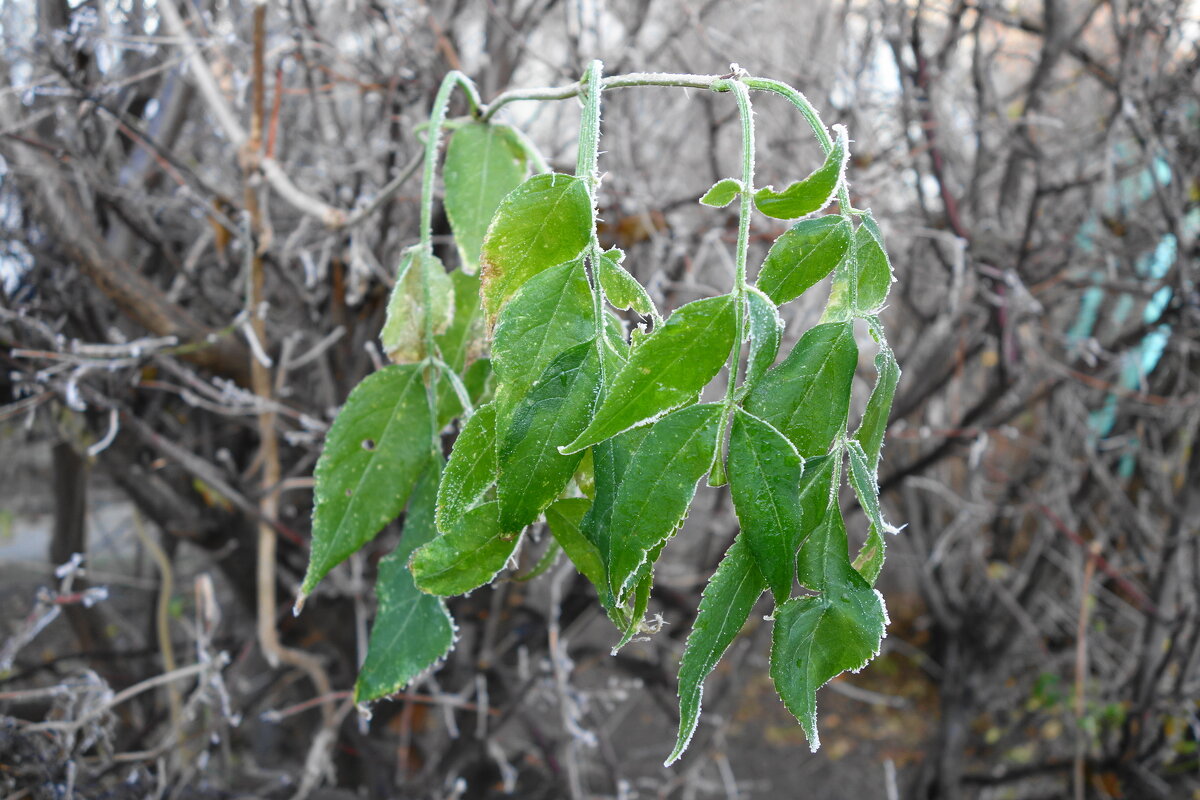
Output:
x=1034 y=166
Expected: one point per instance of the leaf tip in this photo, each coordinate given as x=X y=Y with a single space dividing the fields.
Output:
x=298 y=606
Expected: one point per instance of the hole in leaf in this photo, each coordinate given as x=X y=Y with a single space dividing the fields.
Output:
x=368 y=444
x=349 y=492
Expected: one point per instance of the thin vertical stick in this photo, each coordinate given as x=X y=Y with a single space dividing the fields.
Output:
x=1089 y=569
x=260 y=379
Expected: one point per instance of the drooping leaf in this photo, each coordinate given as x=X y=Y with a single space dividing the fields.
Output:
x=564 y=518
x=467 y=556
x=807 y=395
x=766 y=332
x=403 y=334
x=610 y=465
x=723 y=193
x=824 y=562
x=374 y=452
x=657 y=488
x=556 y=409
x=817 y=493
x=815 y=639
x=545 y=221
x=724 y=608
x=764 y=479
x=803 y=255
x=869 y=562
x=621 y=288
x=484 y=162
x=862 y=477
x=811 y=194
x=412 y=630
x=667 y=370
x=875 y=418
x=471 y=470
x=642 y=584
x=551 y=313
x=875 y=276
x=566 y=521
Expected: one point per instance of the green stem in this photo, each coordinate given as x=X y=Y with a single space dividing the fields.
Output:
x=814 y=121
x=585 y=168
x=686 y=81
x=437 y=120
x=846 y=267
x=717 y=475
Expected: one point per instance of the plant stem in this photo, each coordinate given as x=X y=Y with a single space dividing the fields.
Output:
x=425 y=259
x=717 y=475
x=814 y=121
x=262 y=384
x=585 y=168
x=437 y=119
x=686 y=81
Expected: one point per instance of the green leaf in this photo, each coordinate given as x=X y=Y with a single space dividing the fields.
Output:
x=725 y=606
x=463 y=341
x=657 y=487
x=875 y=276
x=564 y=518
x=870 y=560
x=875 y=418
x=621 y=288
x=471 y=470
x=480 y=383
x=803 y=255
x=815 y=639
x=766 y=332
x=374 y=452
x=483 y=164
x=557 y=408
x=550 y=314
x=807 y=395
x=403 y=334
x=824 y=563
x=817 y=493
x=585 y=476
x=862 y=478
x=610 y=465
x=764 y=479
x=544 y=222
x=811 y=194
x=412 y=630
x=616 y=349
x=667 y=370
x=635 y=623
x=466 y=557
x=723 y=193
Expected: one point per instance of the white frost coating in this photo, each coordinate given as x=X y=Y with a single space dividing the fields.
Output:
x=681 y=747
x=69 y=567
x=255 y=345
x=647 y=421
x=113 y=426
x=94 y=595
